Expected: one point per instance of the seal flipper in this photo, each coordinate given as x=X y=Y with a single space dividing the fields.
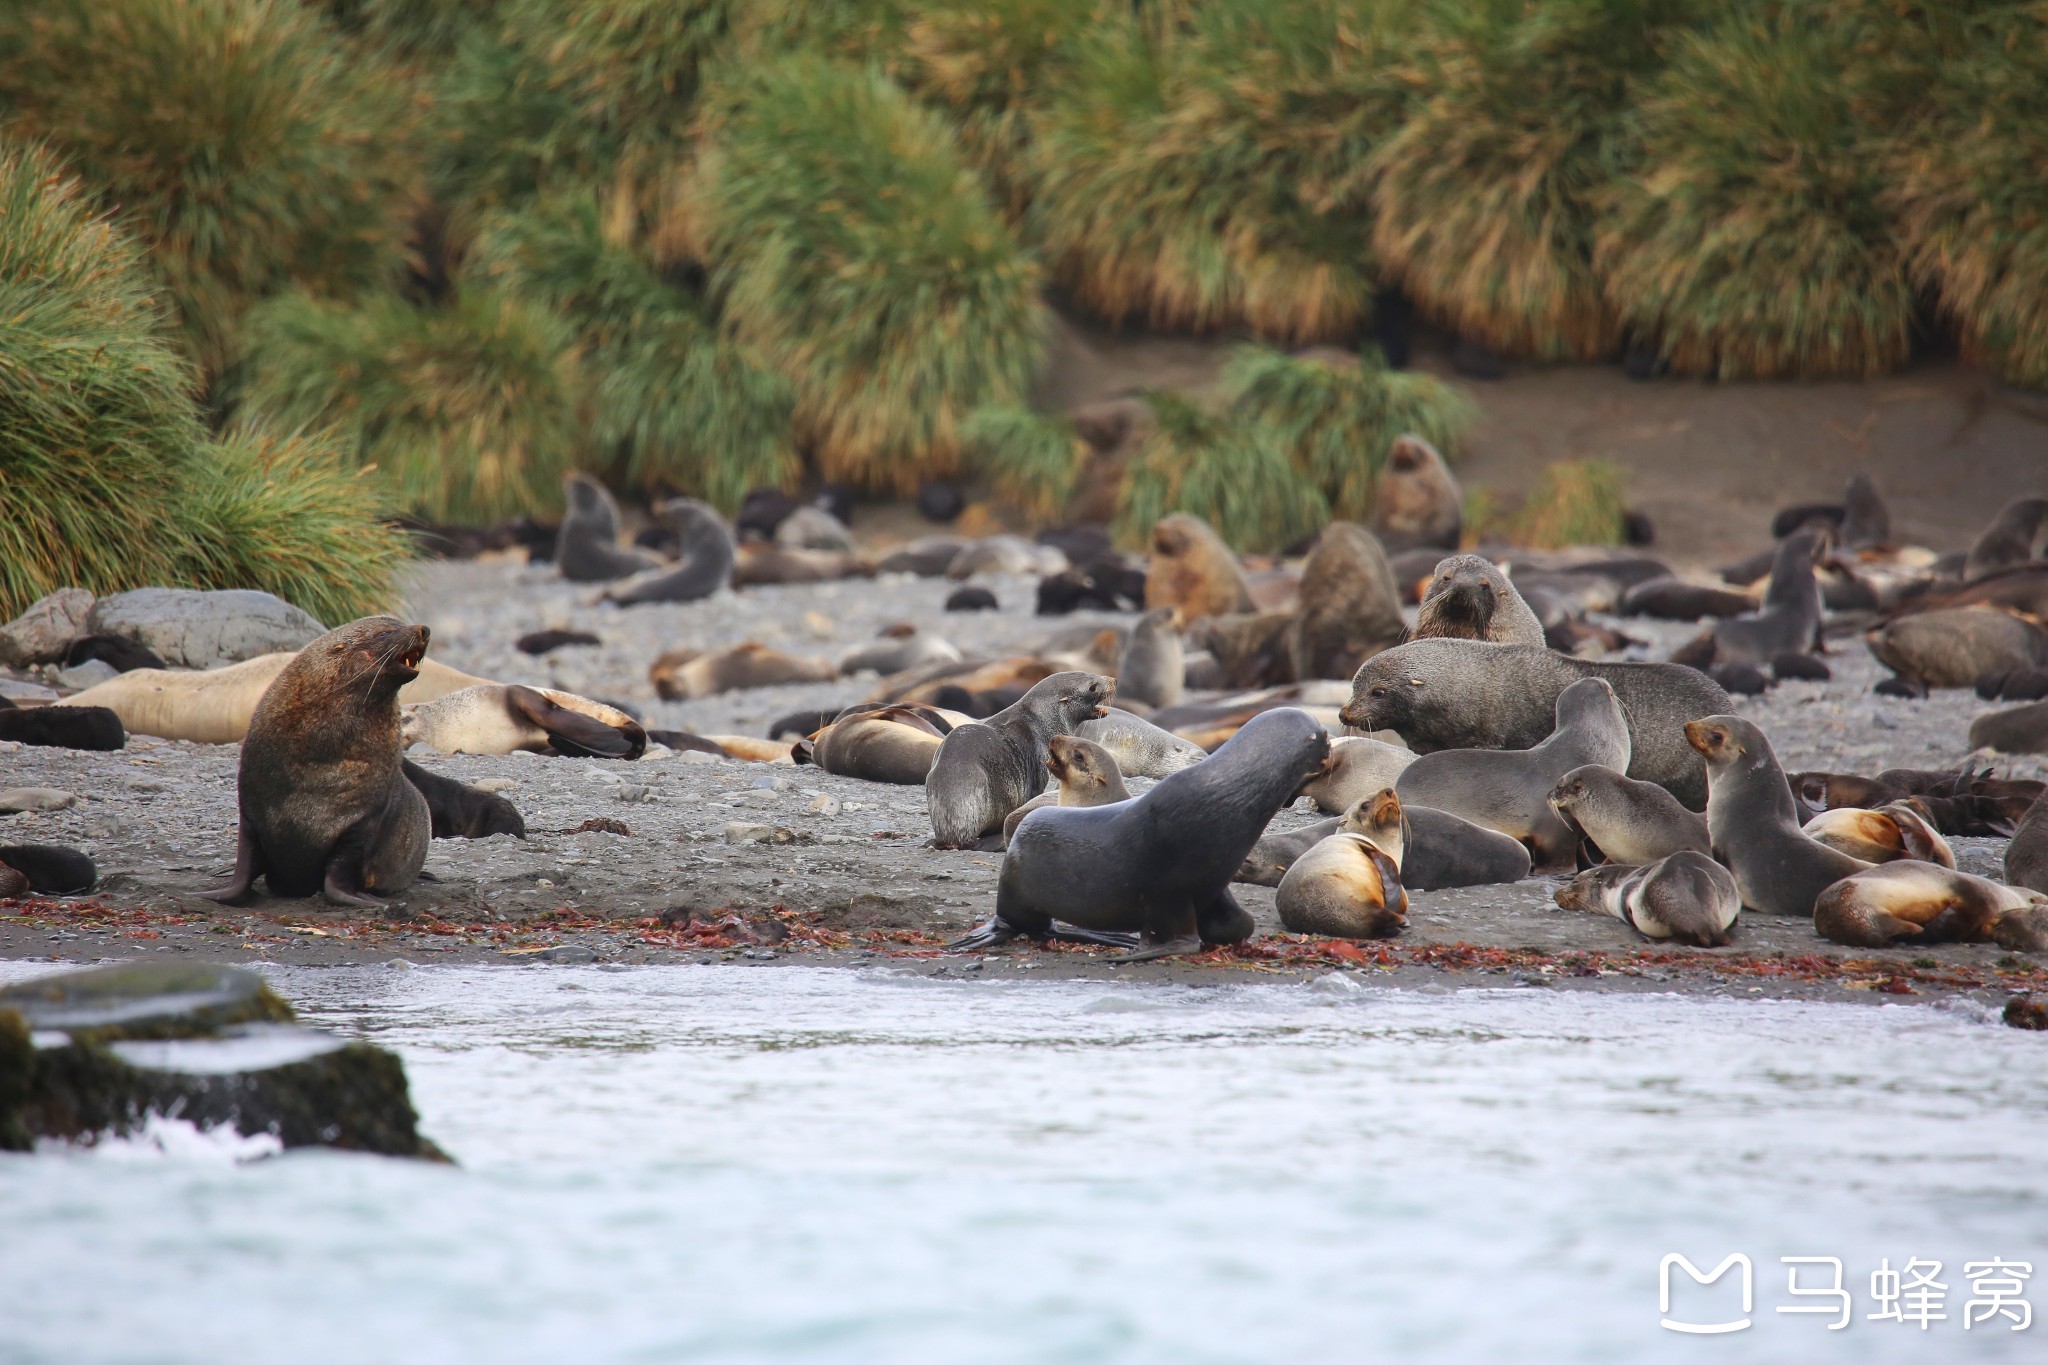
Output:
x=1223 y=920
x=993 y=934
x=248 y=867
x=1171 y=930
x=344 y=882
x=1071 y=933
x=571 y=733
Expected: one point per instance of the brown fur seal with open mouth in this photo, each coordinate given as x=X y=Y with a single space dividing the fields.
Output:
x=325 y=804
x=1349 y=885
x=686 y=674
x=1191 y=568
x=497 y=718
x=1509 y=789
x=986 y=769
x=1685 y=897
x=1897 y=830
x=1472 y=694
x=705 y=565
x=1415 y=501
x=1754 y=825
x=1087 y=776
x=587 y=548
x=1631 y=823
x=1159 y=863
x=1922 y=903
x=1469 y=598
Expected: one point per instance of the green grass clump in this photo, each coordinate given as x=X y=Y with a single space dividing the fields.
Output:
x=415 y=30
x=468 y=413
x=1970 y=194
x=1576 y=502
x=1228 y=472
x=850 y=246
x=671 y=401
x=1751 y=242
x=1338 y=420
x=1483 y=202
x=1031 y=458
x=242 y=140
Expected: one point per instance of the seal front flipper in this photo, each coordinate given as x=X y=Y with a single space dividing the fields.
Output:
x=571 y=733
x=994 y=934
x=1223 y=920
x=248 y=867
x=1171 y=930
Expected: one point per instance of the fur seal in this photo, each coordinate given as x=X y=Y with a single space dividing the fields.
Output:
x=1140 y=748
x=2022 y=684
x=1415 y=501
x=47 y=870
x=2011 y=539
x=1885 y=835
x=972 y=599
x=118 y=652
x=901 y=646
x=1349 y=885
x=1631 y=823
x=1469 y=598
x=548 y=641
x=1349 y=607
x=813 y=528
x=986 y=769
x=1751 y=819
x=1153 y=666
x=1954 y=647
x=894 y=744
x=1191 y=568
x=1005 y=554
x=706 y=558
x=1788 y=622
x=497 y=718
x=2026 y=857
x=587 y=548
x=1509 y=790
x=1674 y=599
x=686 y=674
x=1685 y=897
x=325 y=804
x=1440 y=851
x=1472 y=694
x=2015 y=730
x=1087 y=776
x=459 y=811
x=1159 y=863
x=1923 y=903
x=64 y=726
x=756 y=564
x=1359 y=766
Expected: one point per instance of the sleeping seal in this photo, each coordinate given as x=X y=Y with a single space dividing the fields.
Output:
x=1349 y=885
x=1752 y=821
x=1923 y=903
x=1086 y=774
x=879 y=744
x=1159 y=863
x=1140 y=748
x=986 y=769
x=1686 y=897
x=1885 y=835
x=500 y=718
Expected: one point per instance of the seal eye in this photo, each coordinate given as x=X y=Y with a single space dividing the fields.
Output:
x=1377 y=692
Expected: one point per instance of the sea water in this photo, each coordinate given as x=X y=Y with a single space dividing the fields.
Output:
x=720 y=1163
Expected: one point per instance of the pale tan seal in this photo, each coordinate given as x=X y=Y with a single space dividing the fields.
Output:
x=1918 y=903
x=1885 y=835
x=500 y=718
x=1349 y=885
x=685 y=674
x=1359 y=766
x=1192 y=569
x=1087 y=776
x=213 y=706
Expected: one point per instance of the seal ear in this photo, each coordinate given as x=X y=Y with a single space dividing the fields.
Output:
x=571 y=733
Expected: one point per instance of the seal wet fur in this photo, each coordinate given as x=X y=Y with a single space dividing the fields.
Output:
x=1349 y=885
x=986 y=769
x=1686 y=897
x=1159 y=863
x=324 y=801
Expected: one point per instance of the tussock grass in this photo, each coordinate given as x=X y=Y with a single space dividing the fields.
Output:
x=1576 y=502
x=1230 y=473
x=852 y=248
x=242 y=140
x=1032 y=459
x=468 y=413
x=1751 y=241
x=1337 y=419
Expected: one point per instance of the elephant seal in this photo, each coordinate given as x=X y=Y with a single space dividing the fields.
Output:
x=497 y=718
x=1152 y=668
x=1469 y=598
x=2015 y=730
x=1086 y=774
x=1415 y=501
x=1509 y=789
x=1191 y=568
x=325 y=804
x=1439 y=851
x=1923 y=903
x=1349 y=885
x=1631 y=823
x=47 y=870
x=1473 y=694
x=1348 y=608
x=1359 y=766
x=1159 y=863
x=1885 y=835
x=686 y=674
x=1751 y=819
x=587 y=548
x=1954 y=647
x=2026 y=857
x=96 y=728
x=705 y=565
x=2011 y=539
x=1685 y=897
x=1788 y=622
x=1140 y=748
x=881 y=744
x=986 y=769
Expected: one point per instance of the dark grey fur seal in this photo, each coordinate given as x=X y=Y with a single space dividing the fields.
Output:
x=986 y=769
x=1159 y=863
x=706 y=563
x=587 y=548
x=1754 y=824
x=1674 y=599
x=1469 y=598
x=1628 y=821
x=2012 y=538
x=1440 y=851
x=1153 y=667
x=325 y=804
x=2026 y=857
x=2015 y=730
x=1509 y=789
x=1686 y=897
x=459 y=811
x=1789 y=621
x=1470 y=694
x=49 y=869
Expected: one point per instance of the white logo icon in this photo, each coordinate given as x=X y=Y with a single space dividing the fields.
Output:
x=1705 y=1328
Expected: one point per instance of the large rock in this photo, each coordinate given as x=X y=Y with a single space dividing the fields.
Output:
x=88 y=1053
x=41 y=634
x=192 y=629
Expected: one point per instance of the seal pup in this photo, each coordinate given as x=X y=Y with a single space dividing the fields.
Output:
x=1473 y=694
x=1674 y=599
x=457 y=810
x=1469 y=598
x=1159 y=863
x=1685 y=897
x=1087 y=776
x=1140 y=748
x=324 y=801
x=1752 y=821
x=986 y=769
x=686 y=674
x=1629 y=822
x=1953 y=647
x=2012 y=538
x=1349 y=607
x=1191 y=568
x=96 y=728
x=587 y=548
x=1788 y=622
x=47 y=870
x=1359 y=766
x=2026 y=857
x=1153 y=666
x=500 y=718
x=1885 y=835
x=1925 y=903
x=1439 y=850
x=1349 y=885
x=1416 y=502
x=705 y=563
x=1509 y=790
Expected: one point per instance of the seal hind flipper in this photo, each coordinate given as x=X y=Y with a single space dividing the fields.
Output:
x=248 y=867
x=571 y=733
x=993 y=934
